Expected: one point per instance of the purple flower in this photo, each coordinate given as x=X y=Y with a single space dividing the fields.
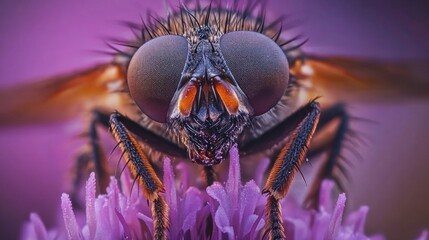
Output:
x=224 y=211
x=235 y=209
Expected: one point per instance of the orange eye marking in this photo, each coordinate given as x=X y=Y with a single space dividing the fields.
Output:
x=228 y=96
x=186 y=99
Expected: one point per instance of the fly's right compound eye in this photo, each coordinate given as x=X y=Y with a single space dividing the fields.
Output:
x=258 y=65
x=154 y=73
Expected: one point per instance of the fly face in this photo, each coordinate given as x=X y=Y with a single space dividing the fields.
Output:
x=208 y=84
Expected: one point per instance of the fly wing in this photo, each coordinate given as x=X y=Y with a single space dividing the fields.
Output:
x=64 y=97
x=359 y=79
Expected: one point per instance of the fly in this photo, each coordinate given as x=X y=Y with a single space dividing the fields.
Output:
x=201 y=80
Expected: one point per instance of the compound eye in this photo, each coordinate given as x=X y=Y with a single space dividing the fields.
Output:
x=154 y=73
x=258 y=65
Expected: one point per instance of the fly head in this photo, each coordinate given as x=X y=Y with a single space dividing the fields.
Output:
x=207 y=84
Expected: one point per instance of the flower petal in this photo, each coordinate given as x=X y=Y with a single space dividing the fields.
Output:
x=222 y=220
x=337 y=216
x=90 y=205
x=73 y=230
x=36 y=228
x=171 y=197
x=103 y=219
x=320 y=224
x=234 y=177
x=325 y=199
x=249 y=198
x=218 y=192
x=112 y=204
x=190 y=205
x=249 y=224
x=127 y=233
x=357 y=220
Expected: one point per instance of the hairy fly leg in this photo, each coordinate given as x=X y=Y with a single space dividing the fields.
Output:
x=138 y=162
x=332 y=143
x=143 y=172
x=94 y=159
x=288 y=161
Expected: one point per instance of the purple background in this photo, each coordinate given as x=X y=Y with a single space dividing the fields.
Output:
x=43 y=38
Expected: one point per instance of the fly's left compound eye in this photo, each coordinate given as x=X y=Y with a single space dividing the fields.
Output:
x=154 y=73
x=259 y=66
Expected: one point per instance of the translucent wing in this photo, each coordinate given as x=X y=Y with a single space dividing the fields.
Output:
x=64 y=97
x=351 y=79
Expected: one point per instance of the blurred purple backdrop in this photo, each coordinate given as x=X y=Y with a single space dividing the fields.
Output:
x=43 y=38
